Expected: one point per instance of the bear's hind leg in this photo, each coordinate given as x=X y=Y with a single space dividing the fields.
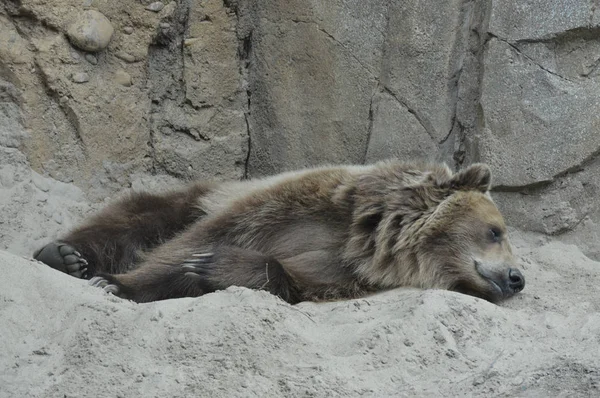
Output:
x=112 y=240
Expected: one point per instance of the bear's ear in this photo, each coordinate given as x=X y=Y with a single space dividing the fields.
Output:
x=477 y=176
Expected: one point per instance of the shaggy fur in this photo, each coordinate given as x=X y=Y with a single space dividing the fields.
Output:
x=316 y=234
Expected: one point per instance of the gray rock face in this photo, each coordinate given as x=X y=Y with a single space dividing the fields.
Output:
x=539 y=19
x=421 y=63
x=91 y=31
x=247 y=88
x=198 y=122
x=411 y=141
x=530 y=110
x=303 y=109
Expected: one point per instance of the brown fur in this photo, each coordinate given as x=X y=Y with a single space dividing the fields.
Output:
x=316 y=234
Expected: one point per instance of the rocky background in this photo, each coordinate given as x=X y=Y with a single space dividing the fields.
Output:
x=104 y=95
x=100 y=96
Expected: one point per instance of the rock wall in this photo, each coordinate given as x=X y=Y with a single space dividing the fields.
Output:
x=241 y=88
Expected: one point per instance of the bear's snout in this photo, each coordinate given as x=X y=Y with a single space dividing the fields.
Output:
x=516 y=280
x=504 y=281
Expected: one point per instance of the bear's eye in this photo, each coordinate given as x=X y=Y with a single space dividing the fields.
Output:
x=495 y=234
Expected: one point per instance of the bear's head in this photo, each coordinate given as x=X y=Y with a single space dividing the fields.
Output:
x=430 y=228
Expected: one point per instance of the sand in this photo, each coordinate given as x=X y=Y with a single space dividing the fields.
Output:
x=63 y=338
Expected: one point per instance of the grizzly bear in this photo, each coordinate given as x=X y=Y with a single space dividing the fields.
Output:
x=316 y=234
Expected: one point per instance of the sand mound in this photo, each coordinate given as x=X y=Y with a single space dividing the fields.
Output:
x=63 y=338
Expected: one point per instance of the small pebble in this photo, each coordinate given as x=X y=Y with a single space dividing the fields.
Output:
x=75 y=56
x=123 y=78
x=156 y=6
x=517 y=381
x=80 y=77
x=479 y=380
x=91 y=59
x=190 y=41
x=40 y=182
x=128 y=30
x=125 y=57
x=165 y=25
x=58 y=218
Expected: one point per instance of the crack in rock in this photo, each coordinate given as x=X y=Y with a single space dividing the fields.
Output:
x=533 y=61
x=335 y=40
x=537 y=185
x=592 y=13
x=243 y=53
x=518 y=50
x=427 y=126
x=67 y=111
x=370 y=128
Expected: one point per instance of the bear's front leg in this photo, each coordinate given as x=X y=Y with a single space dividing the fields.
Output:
x=151 y=282
x=233 y=266
x=202 y=273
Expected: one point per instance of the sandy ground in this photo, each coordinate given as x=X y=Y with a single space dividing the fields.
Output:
x=63 y=338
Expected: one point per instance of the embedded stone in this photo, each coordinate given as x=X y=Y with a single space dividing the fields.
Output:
x=91 y=32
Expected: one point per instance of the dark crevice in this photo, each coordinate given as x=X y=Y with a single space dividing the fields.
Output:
x=536 y=186
x=247 y=160
x=591 y=68
x=526 y=189
x=245 y=49
x=188 y=132
x=466 y=121
x=188 y=102
x=244 y=56
x=370 y=128
x=454 y=81
x=578 y=33
x=244 y=53
x=579 y=166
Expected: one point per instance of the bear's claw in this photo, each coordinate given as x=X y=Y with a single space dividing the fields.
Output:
x=102 y=283
x=196 y=267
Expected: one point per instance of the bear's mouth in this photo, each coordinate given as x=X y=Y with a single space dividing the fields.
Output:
x=498 y=290
x=494 y=281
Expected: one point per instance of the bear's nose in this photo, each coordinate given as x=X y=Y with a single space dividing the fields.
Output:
x=516 y=280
